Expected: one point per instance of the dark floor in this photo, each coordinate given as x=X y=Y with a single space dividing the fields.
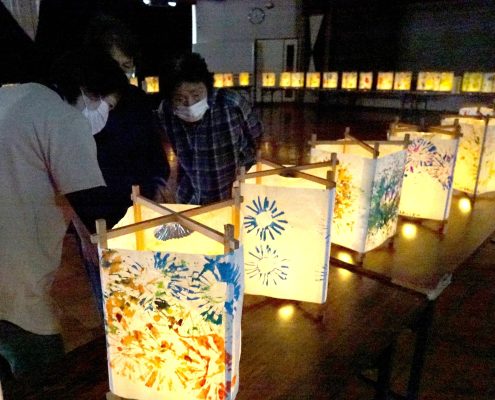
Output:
x=460 y=361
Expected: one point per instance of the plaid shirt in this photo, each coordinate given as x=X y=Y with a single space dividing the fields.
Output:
x=211 y=152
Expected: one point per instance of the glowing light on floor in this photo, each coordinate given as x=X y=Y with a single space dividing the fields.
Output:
x=345 y=257
x=344 y=274
x=285 y=313
x=465 y=205
x=409 y=231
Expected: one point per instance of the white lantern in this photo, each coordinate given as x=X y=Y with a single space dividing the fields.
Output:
x=330 y=80
x=172 y=316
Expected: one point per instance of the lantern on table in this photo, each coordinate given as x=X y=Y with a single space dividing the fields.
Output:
x=243 y=78
x=228 y=79
x=429 y=171
x=475 y=167
x=151 y=84
x=368 y=190
x=402 y=80
x=218 y=80
x=330 y=80
x=285 y=230
x=313 y=80
x=365 y=80
x=297 y=80
x=446 y=82
x=268 y=79
x=472 y=82
x=349 y=80
x=488 y=82
x=285 y=79
x=385 y=81
x=172 y=308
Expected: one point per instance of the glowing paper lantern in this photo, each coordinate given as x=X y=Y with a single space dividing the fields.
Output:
x=285 y=80
x=313 y=80
x=365 y=80
x=151 y=84
x=446 y=82
x=475 y=167
x=268 y=79
x=349 y=80
x=297 y=80
x=285 y=231
x=402 y=80
x=133 y=80
x=244 y=79
x=429 y=172
x=385 y=81
x=472 y=81
x=421 y=82
x=366 y=207
x=218 y=80
x=330 y=80
x=172 y=317
x=488 y=83
x=228 y=80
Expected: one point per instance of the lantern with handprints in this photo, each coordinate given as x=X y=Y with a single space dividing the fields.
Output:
x=475 y=167
x=297 y=80
x=151 y=84
x=385 y=81
x=368 y=190
x=285 y=231
x=243 y=78
x=429 y=171
x=172 y=308
x=313 y=80
x=330 y=80
x=402 y=80
x=365 y=80
x=349 y=80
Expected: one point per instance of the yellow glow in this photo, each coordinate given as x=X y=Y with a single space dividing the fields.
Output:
x=488 y=82
x=297 y=79
x=286 y=312
x=421 y=82
x=385 y=81
x=465 y=205
x=409 y=230
x=313 y=80
x=344 y=274
x=228 y=80
x=218 y=80
x=244 y=79
x=345 y=257
x=285 y=79
x=446 y=82
x=365 y=80
x=349 y=80
x=134 y=81
x=151 y=84
x=472 y=81
x=268 y=79
x=402 y=80
x=330 y=80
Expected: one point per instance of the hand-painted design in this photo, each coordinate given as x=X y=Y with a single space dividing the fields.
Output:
x=385 y=197
x=266 y=265
x=345 y=197
x=266 y=219
x=160 y=341
x=470 y=150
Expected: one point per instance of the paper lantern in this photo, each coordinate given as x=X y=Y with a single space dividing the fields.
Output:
x=421 y=81
x=268 y=79
x=365 y=80
x=472 y=81
x=297 y=80
x=172 y=317
x=218 y=80
x=488 y=83
x=285 y=79
x=151 y=84
x=475 y=167
x=133 y=80
x=446 y=82
x=330 y=80
x=429 y=171
x=349 y=80
x=244 y=79
x=228 y=80
x=313 y=80
x=368 y=191
x=285 y=231
x=402 y=80
x=385 y=81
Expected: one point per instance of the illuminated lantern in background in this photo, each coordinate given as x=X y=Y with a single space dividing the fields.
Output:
x=365 y=80
x=151 y=84
x=228 y=80
x=330 y=80
x=385 y=81
x=268 y=79
x=313 y=80
x=285 y=232
x=472 y=81
x=446 y=82
x=244 y=79
x=488 y=82
x=402 y=80
x=285 y=80
x=172 y=309
x=429 y=171
x=133 y=80
x=421 y=82
x=368 y=191
x=297 y=80
x=475 y=167
x=218 y=80
x=349 y=80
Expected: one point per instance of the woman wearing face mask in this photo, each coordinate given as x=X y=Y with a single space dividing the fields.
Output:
x=47 y=155
x=212 y=132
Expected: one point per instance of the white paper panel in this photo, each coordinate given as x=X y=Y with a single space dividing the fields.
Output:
x=486 y=182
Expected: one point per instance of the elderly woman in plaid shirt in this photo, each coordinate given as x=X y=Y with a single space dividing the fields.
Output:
x=212 y=132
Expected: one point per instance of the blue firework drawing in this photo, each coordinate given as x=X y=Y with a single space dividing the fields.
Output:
x=267 y=220
x=266 y=265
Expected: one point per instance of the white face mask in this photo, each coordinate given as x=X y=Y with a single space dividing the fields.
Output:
x=97 y=116
x=192 y=113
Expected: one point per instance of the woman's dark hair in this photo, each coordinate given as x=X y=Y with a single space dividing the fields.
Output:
x=105 y=31
x=189 y=67
x=92 y=70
